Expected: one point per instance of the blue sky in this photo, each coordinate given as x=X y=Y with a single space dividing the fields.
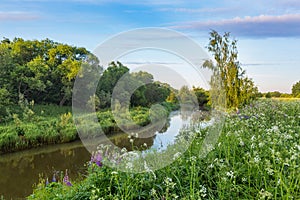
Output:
x=268 y=31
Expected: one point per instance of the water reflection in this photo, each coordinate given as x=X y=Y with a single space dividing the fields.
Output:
x=19 y=171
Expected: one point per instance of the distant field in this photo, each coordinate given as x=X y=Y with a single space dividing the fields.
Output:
x=286 y=99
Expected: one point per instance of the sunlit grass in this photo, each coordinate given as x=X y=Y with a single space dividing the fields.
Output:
x=256 y=157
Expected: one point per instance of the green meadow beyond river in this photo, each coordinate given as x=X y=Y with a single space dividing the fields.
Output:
x=20 y=171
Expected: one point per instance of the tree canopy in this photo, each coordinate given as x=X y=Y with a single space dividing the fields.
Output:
x=43 y=71
x=147 y=90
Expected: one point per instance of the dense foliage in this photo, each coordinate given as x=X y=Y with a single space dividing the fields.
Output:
x=139 y=86
x=257 y=157
x=43 y=71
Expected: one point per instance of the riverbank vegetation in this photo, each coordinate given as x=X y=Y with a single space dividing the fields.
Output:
x=37 y=79
x=256 y=157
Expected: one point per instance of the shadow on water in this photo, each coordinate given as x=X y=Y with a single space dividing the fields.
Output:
x=19 y=171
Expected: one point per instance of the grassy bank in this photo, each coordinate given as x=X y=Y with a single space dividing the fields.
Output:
x=49 y=124
x=256 y=157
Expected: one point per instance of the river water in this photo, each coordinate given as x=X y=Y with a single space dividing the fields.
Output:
x=21 y=170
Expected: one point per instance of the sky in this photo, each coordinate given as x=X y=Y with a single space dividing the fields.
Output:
x=268 y=31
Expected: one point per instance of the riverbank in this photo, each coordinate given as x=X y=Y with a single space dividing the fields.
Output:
x=30 y=166
x=45 y=125
x=256 y=157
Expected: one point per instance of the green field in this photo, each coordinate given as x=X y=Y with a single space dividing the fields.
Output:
x=257 y=157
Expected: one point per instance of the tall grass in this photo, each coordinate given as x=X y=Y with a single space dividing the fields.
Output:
x=257 y=157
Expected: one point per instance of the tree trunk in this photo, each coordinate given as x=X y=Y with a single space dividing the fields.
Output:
x=63 y=100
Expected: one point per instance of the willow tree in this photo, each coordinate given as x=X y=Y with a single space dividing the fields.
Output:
x=238 y=89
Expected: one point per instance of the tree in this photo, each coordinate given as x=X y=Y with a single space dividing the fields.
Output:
x=202 y=96
x=43 y=71
x=268 y=95
x=296 y=89
x=249 y=91
x=238 y=89
x=108 y=81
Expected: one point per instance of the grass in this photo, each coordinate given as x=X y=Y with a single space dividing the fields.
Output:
x=257 y=156
x=38 y=125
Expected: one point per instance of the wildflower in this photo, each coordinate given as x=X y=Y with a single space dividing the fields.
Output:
x=129 y=165
x=211 y=166
x=230 y=174
x=275 y=128
x=176 y=155
x=169 y=182
x=153 y=192
x=66 y=179
x=242 y=143
x=203 y=191
x=97 y=159
x=123 y=150
x=265 y=194
x=269 y=171
x=47 y=182
x=54 y=178
x=193 y=159
x=256 y=159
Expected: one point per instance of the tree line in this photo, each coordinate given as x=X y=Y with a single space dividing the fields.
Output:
x=44 y=72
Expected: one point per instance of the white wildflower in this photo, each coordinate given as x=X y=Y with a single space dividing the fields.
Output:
x=229 y=174
x=203 y=191
x=176 y=155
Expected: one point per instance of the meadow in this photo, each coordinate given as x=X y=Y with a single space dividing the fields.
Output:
x=257 y=156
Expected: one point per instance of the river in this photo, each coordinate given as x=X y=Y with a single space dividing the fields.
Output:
x=19 y=171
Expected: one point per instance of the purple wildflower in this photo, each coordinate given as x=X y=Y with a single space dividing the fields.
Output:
x=53 y=178
x=66 y=179
x=97 y=158
x=47 y=182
